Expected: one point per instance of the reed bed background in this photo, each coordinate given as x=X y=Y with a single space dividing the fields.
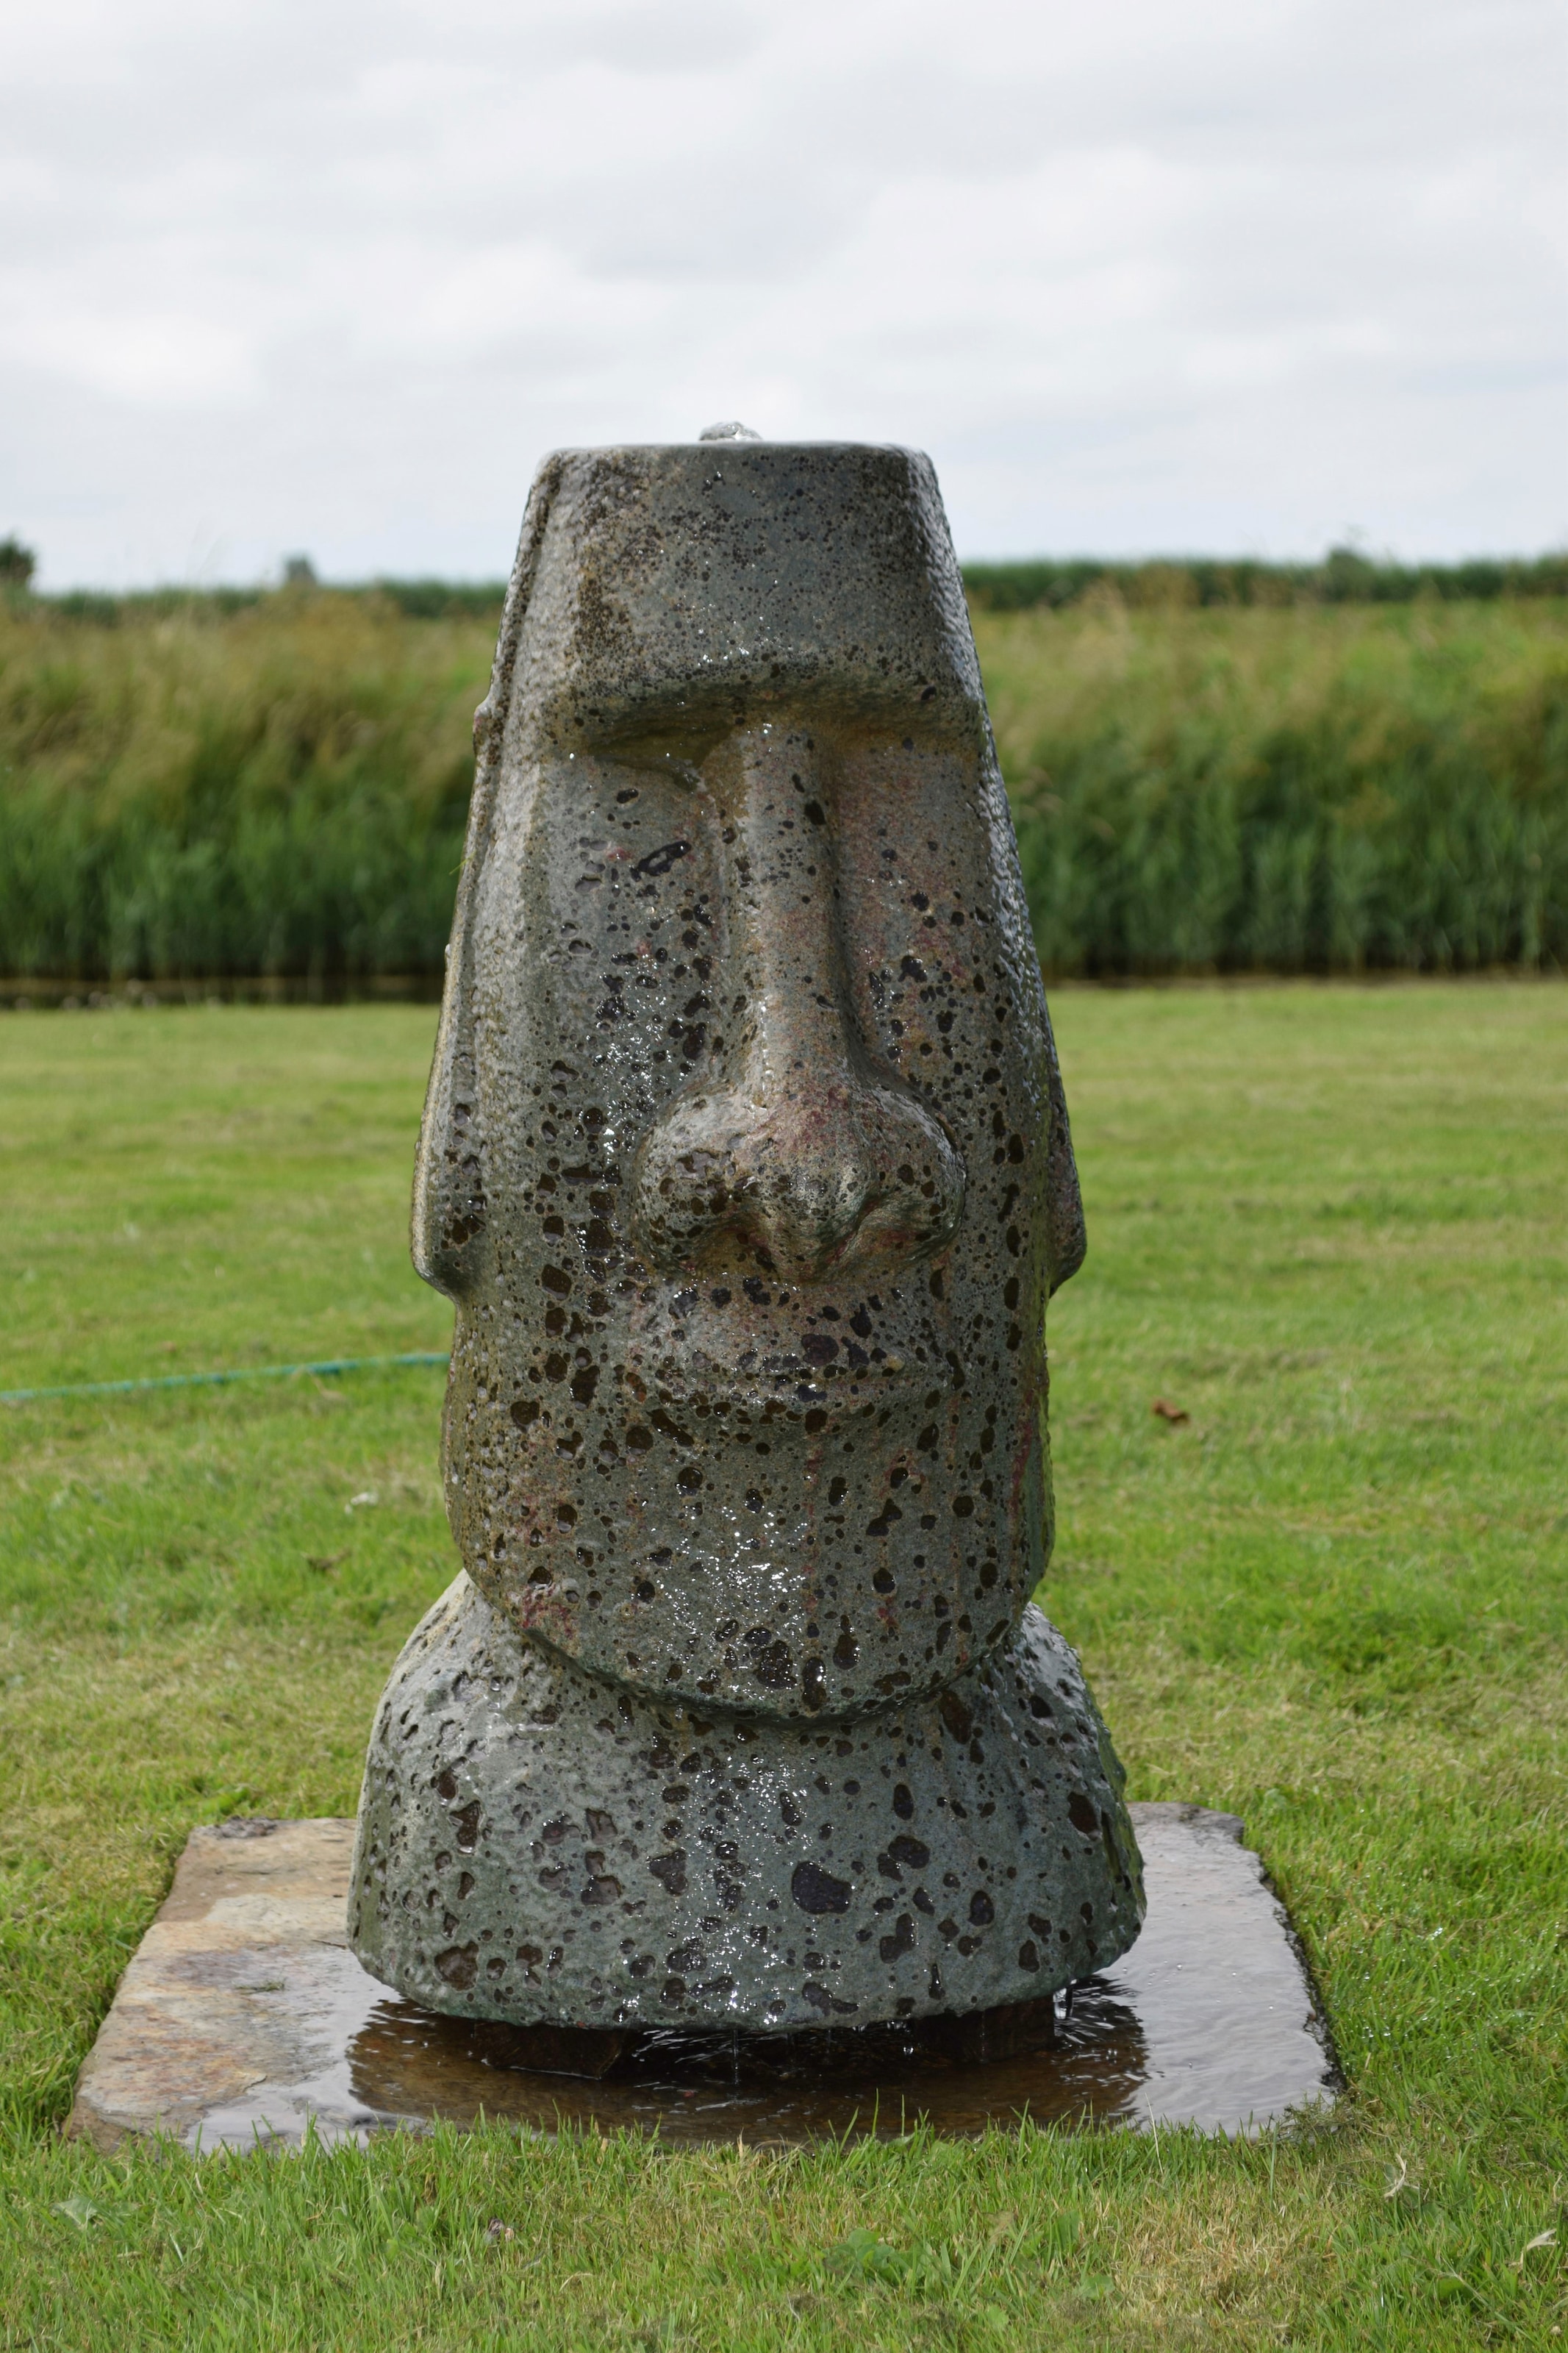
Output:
x=280 y=789
x=276 y=784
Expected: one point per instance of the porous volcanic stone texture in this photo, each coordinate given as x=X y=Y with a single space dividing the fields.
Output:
x=744 y=1158
x=531 y=1840
x=746 y=1165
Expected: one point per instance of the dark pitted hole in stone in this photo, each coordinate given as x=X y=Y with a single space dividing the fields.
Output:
x=903 y=1802
x=981 y=1911
x=768 y=1658
x=955 y=1716
x=1082 y=1815
x=669 y=1870
x=815 y=1890
x=827 y=2002
x=902 y=1940
x=659 y=861
x=459 y=1965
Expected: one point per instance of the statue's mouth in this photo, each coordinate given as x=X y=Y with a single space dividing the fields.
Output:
x=796 y=1349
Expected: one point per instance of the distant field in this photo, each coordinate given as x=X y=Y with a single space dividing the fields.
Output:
x=1329 y=1222
x=214 y=787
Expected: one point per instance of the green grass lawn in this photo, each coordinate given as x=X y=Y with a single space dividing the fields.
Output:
x=1330 y=1223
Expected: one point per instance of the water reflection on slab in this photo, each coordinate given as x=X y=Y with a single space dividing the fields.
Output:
x=244 y=2016
x=709 y=2088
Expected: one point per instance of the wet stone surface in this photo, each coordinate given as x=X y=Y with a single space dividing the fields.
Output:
x=746 y=1165
x=678 y=1869
x=244 y=2018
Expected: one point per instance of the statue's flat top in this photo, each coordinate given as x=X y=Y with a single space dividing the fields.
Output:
x=244 y=2015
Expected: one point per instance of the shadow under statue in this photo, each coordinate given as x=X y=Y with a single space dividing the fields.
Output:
x=746 y=1164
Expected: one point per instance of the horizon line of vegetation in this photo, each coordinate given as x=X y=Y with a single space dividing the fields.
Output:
x=1344 y=577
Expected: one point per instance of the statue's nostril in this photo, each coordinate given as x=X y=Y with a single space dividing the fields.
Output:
x=818 y=1185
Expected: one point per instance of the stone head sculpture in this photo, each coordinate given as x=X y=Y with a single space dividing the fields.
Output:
x=746 y=1164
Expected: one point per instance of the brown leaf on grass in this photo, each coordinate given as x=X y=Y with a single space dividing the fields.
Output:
x=1169 y=1412
x=325 y=1561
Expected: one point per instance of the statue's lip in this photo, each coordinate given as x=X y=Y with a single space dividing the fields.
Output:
x=755 y=1382
x=839 y=1356
x=801 y=1390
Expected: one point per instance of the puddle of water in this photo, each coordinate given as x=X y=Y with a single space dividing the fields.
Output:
x=691 y=2089
x=1210 y=2021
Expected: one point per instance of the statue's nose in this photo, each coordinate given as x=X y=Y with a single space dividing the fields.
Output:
x=801 y=1151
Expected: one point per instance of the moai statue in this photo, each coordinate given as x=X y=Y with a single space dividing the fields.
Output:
x=746 y=1164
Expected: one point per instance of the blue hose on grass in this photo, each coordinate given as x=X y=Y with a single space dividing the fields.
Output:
x=213 y=1380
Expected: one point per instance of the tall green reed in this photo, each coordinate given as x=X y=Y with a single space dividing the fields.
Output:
x=1319 y=790
x=280 y=790
x=278 y=785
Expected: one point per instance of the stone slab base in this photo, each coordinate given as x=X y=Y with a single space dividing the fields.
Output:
x=244 y=2016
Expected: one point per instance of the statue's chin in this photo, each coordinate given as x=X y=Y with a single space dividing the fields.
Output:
x=782 y=1626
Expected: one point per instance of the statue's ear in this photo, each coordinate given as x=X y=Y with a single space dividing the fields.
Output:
x=448 y=1240
x=1066 y=1240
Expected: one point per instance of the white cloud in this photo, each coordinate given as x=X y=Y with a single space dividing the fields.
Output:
x=335 y=276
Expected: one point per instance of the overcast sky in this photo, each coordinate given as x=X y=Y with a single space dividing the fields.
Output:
x=1143 y=275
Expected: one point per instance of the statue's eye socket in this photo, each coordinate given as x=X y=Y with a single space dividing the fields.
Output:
x=676 y=752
